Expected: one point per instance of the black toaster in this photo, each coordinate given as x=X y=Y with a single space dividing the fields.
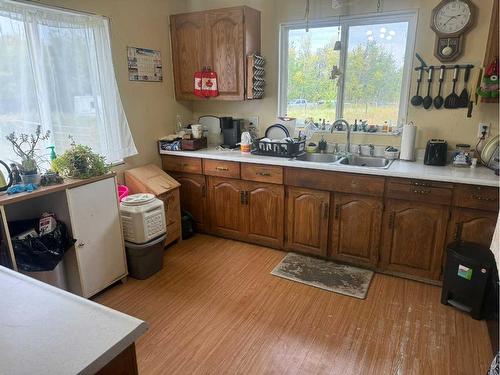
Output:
x=436 y=152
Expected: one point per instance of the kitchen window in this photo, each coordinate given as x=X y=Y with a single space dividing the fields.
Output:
x=355 y=67
x=56 y=71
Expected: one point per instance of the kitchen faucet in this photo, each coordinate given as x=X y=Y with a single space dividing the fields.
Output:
x=343 y=122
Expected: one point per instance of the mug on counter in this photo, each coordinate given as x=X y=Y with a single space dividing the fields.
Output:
x=197 y=131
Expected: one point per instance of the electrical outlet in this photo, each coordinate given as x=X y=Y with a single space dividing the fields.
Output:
x=483 y=127
x=254 y=120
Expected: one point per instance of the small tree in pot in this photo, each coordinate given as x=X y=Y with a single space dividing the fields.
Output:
x=24 y=145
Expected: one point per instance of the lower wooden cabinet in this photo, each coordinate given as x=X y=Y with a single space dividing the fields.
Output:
x=265 y=213
x=472 y=226
x=355 y=229
x=413 y=238
x=226 y=207
x=307 y=221
x=193 y=192
x=248 y=211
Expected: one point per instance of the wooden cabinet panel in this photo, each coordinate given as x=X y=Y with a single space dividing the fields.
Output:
x=307 y=224
x=418 y=193
x=413 y=237
x=262 y=173
x=189 y=41
x=184 y=164
x=335 y=181
x=221 y=168
x=172 y=205
x=265 y=212
x=193 y=192
x=225 y=33
x=227 y=210
x=220 y=39
x=480 y=197
x=471 y=226
x=355 y=228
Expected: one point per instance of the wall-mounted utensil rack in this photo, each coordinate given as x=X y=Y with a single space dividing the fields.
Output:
x=255 y=77
x=437 y=67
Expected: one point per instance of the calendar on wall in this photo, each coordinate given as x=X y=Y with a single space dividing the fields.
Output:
x=144 y=65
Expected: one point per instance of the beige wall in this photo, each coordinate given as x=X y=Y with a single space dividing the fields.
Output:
x=448 y=124
x=150 y=106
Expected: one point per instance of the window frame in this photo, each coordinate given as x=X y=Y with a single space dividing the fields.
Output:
x=410 y=16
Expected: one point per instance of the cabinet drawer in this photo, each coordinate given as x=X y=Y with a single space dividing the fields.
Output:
x=335 y=181
x=481 y=197
x=221 y=168
x=419 y=193
x=181 y=164
x=262 y=173
x=420 y=183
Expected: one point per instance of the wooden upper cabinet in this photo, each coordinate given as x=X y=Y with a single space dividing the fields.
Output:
x=472 y=226
x=189 y=54
x=265 y=205
x=413 y=237
x=355 y=228
x=220 y=39
x=307 y=225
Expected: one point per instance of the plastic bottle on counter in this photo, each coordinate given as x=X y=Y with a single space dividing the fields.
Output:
x=246 y=143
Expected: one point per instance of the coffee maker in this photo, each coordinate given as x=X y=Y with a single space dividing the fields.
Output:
x=231 y=131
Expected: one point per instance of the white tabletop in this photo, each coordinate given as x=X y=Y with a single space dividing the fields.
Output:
x=45 y=330
x=400 y=168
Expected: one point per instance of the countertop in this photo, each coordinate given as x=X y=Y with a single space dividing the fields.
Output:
x=400 y=168
x=46 y=330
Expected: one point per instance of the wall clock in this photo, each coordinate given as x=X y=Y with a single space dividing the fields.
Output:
x=451 y=20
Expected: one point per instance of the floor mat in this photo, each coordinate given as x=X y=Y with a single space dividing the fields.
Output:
x=334 y=277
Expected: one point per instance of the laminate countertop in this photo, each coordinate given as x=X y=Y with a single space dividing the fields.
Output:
x=46 y=330
x=399 y=168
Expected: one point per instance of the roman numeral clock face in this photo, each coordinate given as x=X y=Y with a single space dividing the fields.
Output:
x=451 y=19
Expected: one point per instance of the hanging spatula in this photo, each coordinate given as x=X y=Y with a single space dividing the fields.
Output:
x=464 y=95
x=452 y=100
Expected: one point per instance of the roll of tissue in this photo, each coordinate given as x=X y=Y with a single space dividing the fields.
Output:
x=408 y=142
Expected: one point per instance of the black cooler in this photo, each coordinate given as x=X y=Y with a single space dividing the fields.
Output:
x=470 y=279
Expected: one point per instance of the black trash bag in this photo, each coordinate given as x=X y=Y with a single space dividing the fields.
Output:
x=42 y=253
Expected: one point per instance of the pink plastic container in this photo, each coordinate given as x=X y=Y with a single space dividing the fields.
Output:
x=122 y=192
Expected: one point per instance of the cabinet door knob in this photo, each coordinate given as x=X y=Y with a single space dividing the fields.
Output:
x=337 y=211
x=325 y=210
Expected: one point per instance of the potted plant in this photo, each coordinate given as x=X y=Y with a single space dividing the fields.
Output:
x=79 y=161
x=25 y=146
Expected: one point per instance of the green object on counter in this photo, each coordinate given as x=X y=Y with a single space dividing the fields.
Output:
x=53 y=154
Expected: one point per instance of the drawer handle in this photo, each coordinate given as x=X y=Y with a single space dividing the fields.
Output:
x=480 y=198
x=418 y=183
x=264 y=174
x=222 y=168
x=421 y=191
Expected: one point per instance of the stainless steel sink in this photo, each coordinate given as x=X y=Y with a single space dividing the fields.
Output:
x=319 y=158
x=366 y=161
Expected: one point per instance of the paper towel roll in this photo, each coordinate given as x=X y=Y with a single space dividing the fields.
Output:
x=408 y=142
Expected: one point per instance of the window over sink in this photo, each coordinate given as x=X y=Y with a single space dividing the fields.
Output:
x=355 y=67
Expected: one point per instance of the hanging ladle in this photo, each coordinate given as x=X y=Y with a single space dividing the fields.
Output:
x=427 y=101
x=417 y=99
x=439 y=100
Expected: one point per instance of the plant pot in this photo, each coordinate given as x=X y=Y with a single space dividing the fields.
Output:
x=33 y=178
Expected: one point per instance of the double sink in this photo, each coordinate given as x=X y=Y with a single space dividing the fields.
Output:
x=351 y=160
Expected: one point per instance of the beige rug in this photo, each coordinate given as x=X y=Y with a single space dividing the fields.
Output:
x=334 y=277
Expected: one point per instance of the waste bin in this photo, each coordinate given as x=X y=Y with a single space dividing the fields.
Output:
x=146 y=259
x=470 y=278
x=41 y=255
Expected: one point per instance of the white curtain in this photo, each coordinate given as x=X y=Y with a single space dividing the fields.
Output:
x=56 y=70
